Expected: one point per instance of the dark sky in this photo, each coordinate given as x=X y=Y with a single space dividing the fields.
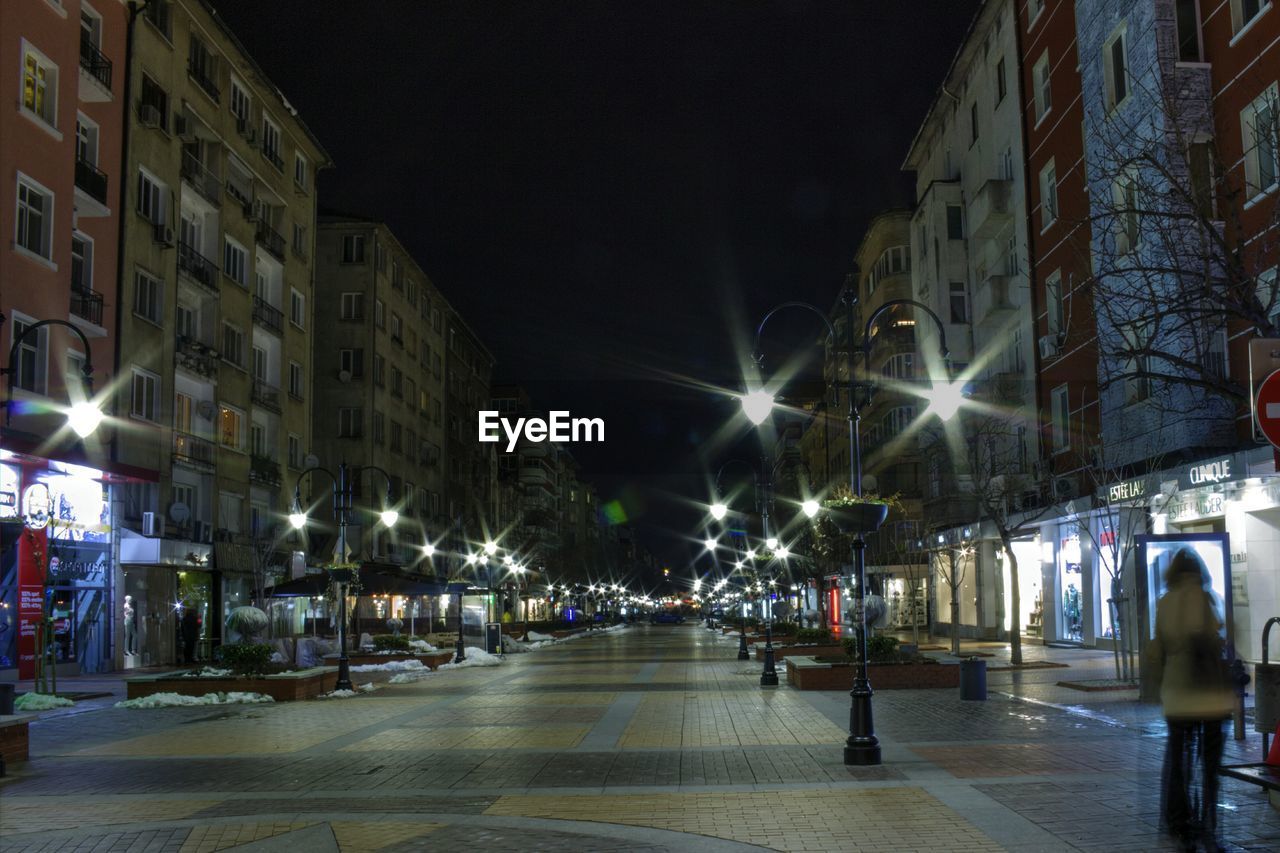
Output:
x=613 y=193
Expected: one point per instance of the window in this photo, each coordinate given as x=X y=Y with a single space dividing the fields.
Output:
x=379 y=316
x=35 y=218
x=397 y=328
x=271 y=142
x=959 y=302
x=81 y=263
x=894 y=260
x=1040 y=79
x=900 y=366
x=295 y=380
x=241 y=105
x=379 y=369
x=297 y=308
x=380 y=257
x=436 y=365
x=153 y=106
x=1002 y=86
x=1244 y=11
x=436 y=324
x=235 y=262
x=424 y=400
x=379 y=428
x=1187 y=18
x=397 y=438
x=397 y=382
x=300 y=244
x=30 y=370
x=410 y=390
x=295 y=451
x=955 y=222
x=411 y=292
x=1268 y=295
x=184 y=406
x=397 y=275
x=230 y=427
x=1137 y=363
x=1048 y=195
x=973 y=122
x=1054 y=303
x=153 y=198
x=301 y=171
x=352 y=362
x=148 y=296
x=39 y=85
x=159 y=13
x=352 y=306
x=437 y=415
x=1115 y=69
x=232 y=345
x=1216 y=357
x=202 y=67
x=898 y=420
x=86 y=140
x=1034 y=8
x=353 y=249
x=1258 y=135
x=350 y=422
x=1128 y=223
x=1060 y=422
x=230 y=510
x=410 y=448
x=258 y=439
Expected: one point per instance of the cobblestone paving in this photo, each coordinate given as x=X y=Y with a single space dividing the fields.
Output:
x=649 y=739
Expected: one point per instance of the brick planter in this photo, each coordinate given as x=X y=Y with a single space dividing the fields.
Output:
x=13 y=738
x=780 y=652
x=806 y=673
x=282 y=687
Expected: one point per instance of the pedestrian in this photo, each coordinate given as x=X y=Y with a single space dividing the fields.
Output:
x=190 y=632
x=1187 y=659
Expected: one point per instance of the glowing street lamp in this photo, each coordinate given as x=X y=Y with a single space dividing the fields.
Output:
x=491 y=547
x=757 y=405
x=719 y=511
x=83 y=417
x=811 y=508
x=945 y=399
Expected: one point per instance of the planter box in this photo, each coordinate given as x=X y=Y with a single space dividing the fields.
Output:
x=781 y=652
x=282 y=687
x=806 y=673
x=13 y=738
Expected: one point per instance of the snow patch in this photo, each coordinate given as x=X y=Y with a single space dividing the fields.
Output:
x=347 y=694
x=390 y=666
x=40 y=702
x=208 y=672
x=535 y=635
x=475 y=657
x=409 y=677
x=422 y=646
x=177 y=700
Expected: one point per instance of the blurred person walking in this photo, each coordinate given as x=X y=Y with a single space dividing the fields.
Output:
x=1187 y=659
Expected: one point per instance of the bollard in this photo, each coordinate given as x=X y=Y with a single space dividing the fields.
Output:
x=973 y=679
x=6 y=699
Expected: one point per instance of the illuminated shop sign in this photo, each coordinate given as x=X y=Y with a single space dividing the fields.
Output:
x=1128 y=490
x=1211 y=472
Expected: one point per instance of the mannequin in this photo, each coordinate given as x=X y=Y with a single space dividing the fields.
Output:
x=130 y=627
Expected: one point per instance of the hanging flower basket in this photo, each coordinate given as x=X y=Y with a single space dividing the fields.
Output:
x=857 y=516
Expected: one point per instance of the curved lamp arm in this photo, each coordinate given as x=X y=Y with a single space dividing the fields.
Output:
x=86 y=371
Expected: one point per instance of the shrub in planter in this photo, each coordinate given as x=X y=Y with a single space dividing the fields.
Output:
x=390 y=643
x=784 y=629
x=246 y=658
x=882 y=649
x=820 y=636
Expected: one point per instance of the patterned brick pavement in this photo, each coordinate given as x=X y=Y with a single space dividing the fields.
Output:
x=649 y=739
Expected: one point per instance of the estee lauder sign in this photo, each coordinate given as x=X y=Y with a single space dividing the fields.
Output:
x=1128 y=490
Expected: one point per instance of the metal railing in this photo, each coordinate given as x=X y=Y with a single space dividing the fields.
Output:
x=196 y=265
x=200 y=75
x=270 y=239
x=263 y=469
x=267 y=315
x=193 y=450
x=198 y=356
x=199 y=176
x=266 y=394
x=92 y=180
x=93 y=61
x=87 y=304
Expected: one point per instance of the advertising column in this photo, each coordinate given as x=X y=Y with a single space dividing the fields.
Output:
x=33 y=547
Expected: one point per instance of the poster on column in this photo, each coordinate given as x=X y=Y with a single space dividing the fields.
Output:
x=1156 y=551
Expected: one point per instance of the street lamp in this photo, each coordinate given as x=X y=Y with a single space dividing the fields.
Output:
x=342 y=507
x=83 y=416
x=862 y=747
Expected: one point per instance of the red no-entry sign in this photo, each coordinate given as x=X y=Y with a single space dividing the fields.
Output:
x=1267 y=408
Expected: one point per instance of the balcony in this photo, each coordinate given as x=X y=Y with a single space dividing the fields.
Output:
x=240 y=189
x=268 y=316
x=999 y=296
x=204 y=181
x=266 y=395
x=264 y=470
x=196 y=266
x=194 y=451
x=989 y=212
x=201 y=77
x=95 y=72
x=270 y=239
x=272 y=156
x=87 y=305
x=196 y=356
x=92 y=181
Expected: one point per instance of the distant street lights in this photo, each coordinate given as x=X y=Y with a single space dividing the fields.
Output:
x=862 y=747
x=343 y=501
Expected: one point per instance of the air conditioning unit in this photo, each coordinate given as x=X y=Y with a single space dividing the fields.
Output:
x=163 y=234
x=1049 y=346
x=149 y=115
x=150 y=524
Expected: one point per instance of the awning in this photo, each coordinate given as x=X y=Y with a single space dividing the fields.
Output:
x=371 y=583
x=230 y=557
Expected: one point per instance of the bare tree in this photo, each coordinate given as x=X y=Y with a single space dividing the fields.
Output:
x=952 y=568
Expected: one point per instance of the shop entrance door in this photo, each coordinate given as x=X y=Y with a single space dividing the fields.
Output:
x=152 y=592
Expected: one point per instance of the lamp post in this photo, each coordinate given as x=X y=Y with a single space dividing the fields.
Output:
x=83 y=416
x=342 y=507
x=719 y=510
x=862 y=746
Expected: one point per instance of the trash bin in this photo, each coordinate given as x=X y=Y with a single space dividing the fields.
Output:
x=493 y=638
x=6 y=699
x=973 y=679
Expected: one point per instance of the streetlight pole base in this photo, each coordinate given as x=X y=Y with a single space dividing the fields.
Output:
x=862 y=755
x=743 y=654
x=460 y=652
x=344 y=672
x=769 y=675
x=863 y=747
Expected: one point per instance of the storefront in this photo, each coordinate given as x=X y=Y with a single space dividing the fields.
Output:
x=162 y=579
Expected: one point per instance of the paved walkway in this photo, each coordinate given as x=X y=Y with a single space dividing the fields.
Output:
x=649 y=739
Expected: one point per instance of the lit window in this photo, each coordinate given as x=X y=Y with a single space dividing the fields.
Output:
x=40 y=86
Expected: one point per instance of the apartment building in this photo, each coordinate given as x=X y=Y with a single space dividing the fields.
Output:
x=61 y=202
x=536 y=473
x=218 y=215
x=969 y=266
x=379 y=378
x=470 y=500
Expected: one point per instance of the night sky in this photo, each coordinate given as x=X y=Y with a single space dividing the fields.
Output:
x=613 y=193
